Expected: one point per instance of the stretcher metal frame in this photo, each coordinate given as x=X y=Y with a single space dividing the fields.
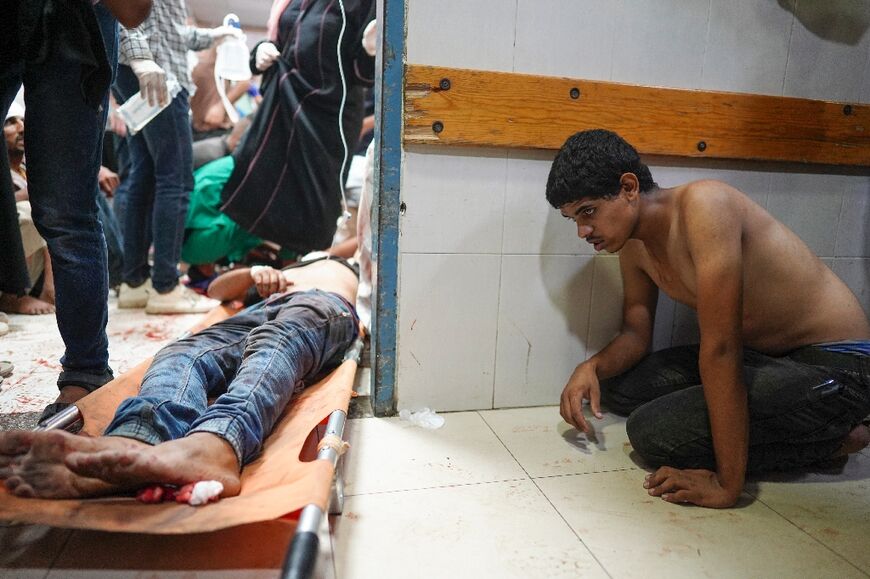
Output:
x=310 y=550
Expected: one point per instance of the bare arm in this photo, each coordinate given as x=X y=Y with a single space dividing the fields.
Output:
x=130 y=13
x=231 y=285
x=714 y=233
x=236 y=91
x=234 y=284
x=715 y=242
x=624 y=351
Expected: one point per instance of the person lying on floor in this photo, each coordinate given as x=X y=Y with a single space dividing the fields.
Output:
x=781 y=378
x=253 y=362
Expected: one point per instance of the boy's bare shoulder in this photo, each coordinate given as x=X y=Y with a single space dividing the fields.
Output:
x=709 y=197
x=707 y=191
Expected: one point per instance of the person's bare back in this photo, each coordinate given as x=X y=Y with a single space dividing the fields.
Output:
x=790 y=298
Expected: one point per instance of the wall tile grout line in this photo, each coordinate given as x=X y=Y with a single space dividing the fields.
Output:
x=788 y=49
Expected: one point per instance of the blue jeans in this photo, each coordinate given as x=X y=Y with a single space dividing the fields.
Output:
x=64 y=137
x=801 y=406
x=253 y=362
x=157 y=189
x=114 y=240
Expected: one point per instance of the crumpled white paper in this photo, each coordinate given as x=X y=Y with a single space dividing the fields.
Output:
x=424 y=418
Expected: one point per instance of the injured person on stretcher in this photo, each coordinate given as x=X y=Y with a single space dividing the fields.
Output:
x=253 y=363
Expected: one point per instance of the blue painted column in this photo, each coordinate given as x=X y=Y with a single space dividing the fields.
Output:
x=385 y=207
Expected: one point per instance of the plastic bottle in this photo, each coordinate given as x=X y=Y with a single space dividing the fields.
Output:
x=231 y=61
x=136 y=112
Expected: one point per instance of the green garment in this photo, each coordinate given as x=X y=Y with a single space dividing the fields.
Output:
x=209 y=234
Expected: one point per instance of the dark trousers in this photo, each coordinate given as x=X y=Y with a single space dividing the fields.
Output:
x=801 y=406
x=64 y=136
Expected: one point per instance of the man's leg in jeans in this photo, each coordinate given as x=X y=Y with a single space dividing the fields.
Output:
x=657 y=375
x=169 y=144
x=64 y=138
x=799 y=414
x=136 y=193
x=306 y=332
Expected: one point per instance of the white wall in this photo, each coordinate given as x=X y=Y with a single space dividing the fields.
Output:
x=498 y=299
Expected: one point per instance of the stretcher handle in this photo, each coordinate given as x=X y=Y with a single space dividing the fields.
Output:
x=63 y=419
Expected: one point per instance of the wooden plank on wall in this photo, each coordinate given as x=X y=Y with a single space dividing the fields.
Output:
x=495 y=109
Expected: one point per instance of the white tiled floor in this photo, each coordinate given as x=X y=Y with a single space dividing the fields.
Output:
x=499 y=493
x=528 y=497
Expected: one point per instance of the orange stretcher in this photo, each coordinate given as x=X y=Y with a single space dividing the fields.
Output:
x=291 y=480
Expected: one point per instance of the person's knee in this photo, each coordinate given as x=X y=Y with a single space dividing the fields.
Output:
x=614 y=400
x=642 y=432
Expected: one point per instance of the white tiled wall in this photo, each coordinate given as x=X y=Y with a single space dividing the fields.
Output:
x=499 y=300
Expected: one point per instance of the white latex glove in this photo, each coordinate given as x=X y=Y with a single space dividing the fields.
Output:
x=222 y=31
x=370 y=38
x=152 y=81
x=267 y=54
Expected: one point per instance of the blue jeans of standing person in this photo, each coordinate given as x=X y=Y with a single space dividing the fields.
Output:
x=114 y=241
x=157 y=189
x=253 y=362
x=64 y=137
x=801 y=406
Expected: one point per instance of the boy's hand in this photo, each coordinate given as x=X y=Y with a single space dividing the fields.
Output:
x=583 y=385
x=697 y=486
x=268 y=280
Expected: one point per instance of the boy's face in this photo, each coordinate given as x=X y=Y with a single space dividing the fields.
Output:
x=605 y=223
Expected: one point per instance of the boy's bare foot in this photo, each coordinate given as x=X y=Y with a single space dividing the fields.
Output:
x=30 y=305
x=856 y=440
x=41 y=472
x=197 y=457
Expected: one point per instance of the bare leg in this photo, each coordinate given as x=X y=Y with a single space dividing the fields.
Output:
x=47 y=294
x=200 y=456
x=41 y=472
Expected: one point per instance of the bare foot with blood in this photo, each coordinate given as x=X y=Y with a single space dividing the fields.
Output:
x=180 y=463
x=32 y=464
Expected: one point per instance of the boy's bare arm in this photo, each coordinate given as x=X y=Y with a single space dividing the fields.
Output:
x=231 y=285
x=623 y=352
x=234 y=284
x=130 y=13
x=714 y=228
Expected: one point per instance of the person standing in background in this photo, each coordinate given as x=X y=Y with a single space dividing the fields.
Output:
x=156 y=192
x=286 y=186
x=64 y=53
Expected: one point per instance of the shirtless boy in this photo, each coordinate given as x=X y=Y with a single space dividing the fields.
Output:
x=254 y=362
x=781 y=378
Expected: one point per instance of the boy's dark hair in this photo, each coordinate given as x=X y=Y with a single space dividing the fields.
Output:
x=590 y=164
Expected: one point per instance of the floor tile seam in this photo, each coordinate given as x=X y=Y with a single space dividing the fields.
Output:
x=811 y=536
x=435 y=487
x=573 y=530
x=604 y=471
x=494 y=433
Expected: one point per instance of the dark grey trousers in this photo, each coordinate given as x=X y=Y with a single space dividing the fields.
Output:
x=801 y=406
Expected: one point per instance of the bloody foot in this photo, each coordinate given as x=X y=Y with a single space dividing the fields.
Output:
x=41 y=471
x=194 y=458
